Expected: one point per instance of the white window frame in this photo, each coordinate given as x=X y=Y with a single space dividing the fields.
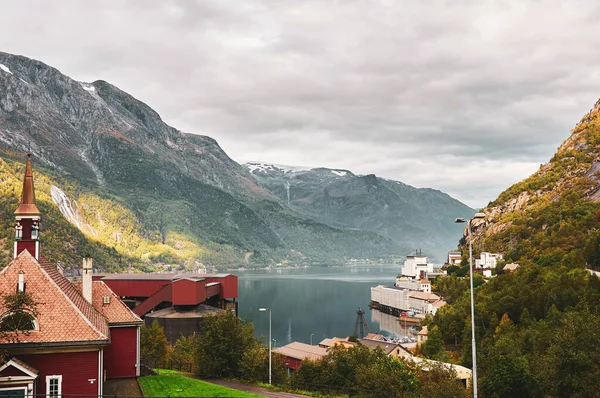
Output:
x=53 y=377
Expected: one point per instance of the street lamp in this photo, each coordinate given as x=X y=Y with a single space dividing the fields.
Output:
x=311 y=335
x=473 y=348
x=263 y=310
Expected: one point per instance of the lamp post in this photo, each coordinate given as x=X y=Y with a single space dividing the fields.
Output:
x=263 y=310
x=473 y=347
x=311 y=335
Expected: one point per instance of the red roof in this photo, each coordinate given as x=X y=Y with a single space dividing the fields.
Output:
x=64 y=315
x=113 y=309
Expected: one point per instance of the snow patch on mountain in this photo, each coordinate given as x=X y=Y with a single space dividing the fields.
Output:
x=88 y=87
x=339 y=173
x=5 y=68
x=260 y=167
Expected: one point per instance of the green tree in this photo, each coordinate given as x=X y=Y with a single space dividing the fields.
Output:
x=254 y=366
x=433 y=347
x=356 y=370
x=440 y=381
x=153 y=346
x=566 y=360
x=387 y=377
x=507 y=371
x=223 y=340
x=183 y=355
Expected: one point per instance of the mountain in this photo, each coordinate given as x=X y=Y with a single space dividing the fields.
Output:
x=535 y=327
x=553 y=216
x=411 y=217
x=146 y=190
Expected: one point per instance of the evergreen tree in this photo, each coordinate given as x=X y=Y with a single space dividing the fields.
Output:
x=153 y=346
x=223 y=340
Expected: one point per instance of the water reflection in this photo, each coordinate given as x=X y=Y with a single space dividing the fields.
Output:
x=392 y=325
x=318 y=301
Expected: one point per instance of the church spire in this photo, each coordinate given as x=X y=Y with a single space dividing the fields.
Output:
x=27 y=206
x=27 y=229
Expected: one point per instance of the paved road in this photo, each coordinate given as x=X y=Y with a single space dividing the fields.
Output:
x=253 y=389
x=122 y=387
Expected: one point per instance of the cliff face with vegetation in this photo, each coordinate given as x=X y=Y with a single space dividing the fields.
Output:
x=537 y=328
x=552 y=216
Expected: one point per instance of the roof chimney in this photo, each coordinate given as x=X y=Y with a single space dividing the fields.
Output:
x=87 y=279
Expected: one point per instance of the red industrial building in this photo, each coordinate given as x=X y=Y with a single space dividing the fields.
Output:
x=177 y=301
x=75 y=337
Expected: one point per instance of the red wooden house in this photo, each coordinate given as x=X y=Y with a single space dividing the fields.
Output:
x=79 y=334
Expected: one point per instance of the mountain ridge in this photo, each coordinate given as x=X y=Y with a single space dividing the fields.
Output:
x=391 y=208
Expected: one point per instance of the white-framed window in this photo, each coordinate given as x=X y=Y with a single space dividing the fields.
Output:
x=53 y=386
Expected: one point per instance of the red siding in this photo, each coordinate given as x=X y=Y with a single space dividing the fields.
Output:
x=214 y=290
x=121 y=355
x=135 y=288
x=29 y=245
x=292 y=363
x=146 y=288
x=26 y=223
x=186 y=292
x=76 y=369
x=164 y=294
x=229 y=286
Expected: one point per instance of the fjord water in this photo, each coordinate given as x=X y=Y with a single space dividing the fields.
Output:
x=321 y=301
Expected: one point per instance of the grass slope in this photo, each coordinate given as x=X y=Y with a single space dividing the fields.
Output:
x=181 y=386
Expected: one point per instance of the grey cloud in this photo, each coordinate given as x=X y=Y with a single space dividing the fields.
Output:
x=439 y=94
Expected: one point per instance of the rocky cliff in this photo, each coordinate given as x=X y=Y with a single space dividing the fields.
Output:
x=554 y=212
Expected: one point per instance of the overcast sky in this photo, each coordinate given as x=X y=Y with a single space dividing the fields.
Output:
x=463 y=96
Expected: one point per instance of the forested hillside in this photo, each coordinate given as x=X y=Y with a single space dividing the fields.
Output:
x=60 y=240
x=538 y=328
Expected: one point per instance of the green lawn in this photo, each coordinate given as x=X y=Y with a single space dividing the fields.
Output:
x=181 y=386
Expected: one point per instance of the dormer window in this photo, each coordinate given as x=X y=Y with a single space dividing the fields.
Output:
x=17 y=321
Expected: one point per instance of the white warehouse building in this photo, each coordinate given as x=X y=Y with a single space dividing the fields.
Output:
x=394 y=299
x=417 y=267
